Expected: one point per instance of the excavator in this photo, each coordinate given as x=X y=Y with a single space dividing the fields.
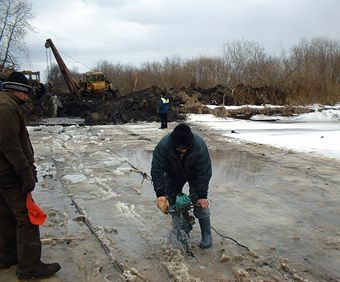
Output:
x=92 y=82
x=33 y=79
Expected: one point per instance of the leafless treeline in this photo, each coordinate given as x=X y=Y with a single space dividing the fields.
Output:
x=15 y=17
x=308 y=73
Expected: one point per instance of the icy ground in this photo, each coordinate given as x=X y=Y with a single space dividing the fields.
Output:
x=103 y=223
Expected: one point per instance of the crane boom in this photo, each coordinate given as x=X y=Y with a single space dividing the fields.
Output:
x=71 y=83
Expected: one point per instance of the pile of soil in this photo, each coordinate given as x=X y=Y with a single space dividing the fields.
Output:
x=142 y=105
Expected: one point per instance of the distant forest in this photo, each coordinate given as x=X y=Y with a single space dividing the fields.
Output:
x=307 y=73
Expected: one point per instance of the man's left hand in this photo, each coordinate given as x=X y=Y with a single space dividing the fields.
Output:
x=204 y=203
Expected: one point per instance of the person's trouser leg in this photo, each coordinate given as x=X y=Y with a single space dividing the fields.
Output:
x=165 y=122
x=164 y=119
x=27 y=234
x=28 y=238
x=161 y=117
x=8 y=239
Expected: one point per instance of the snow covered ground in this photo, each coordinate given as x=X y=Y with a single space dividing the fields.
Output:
x=316 y=133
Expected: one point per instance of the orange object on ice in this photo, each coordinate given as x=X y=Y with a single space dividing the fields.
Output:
x=35 y=214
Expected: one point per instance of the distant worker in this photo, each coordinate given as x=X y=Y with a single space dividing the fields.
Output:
x=19 y=239
x=163 y=108
x=55 y=105
x=180 y=157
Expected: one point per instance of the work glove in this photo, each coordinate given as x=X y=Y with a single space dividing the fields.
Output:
x=204 y=203
x=28 y=184
x=163 y=204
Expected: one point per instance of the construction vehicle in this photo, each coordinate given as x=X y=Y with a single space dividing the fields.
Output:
x=38 y=88
x=94 y=82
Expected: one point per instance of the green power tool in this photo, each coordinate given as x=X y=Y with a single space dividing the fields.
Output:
x=183 y=204
x=182 y=220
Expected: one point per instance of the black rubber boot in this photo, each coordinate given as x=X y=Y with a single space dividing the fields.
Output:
x=37 y=271
x=205 y=232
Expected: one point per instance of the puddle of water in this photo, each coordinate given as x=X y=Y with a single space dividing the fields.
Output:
x=228 y=166
x=233 y=166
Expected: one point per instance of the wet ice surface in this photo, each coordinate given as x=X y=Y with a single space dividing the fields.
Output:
x=283 y=206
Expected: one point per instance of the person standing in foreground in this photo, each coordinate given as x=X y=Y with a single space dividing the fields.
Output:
x=180 y=157
x=163 y=108
x=19 y=239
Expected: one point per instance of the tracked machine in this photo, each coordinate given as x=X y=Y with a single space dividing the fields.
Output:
x=92 y=83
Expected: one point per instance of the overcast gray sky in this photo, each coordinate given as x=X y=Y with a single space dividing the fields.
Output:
x=136 y=31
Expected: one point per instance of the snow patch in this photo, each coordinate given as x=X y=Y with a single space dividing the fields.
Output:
x=112 y=163
x=128 y=211
x=74 y=178
x=118 y=173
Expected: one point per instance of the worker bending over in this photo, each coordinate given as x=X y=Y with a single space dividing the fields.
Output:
x=182 y=156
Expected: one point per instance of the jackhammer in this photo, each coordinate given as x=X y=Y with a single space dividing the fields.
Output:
x=183 y=220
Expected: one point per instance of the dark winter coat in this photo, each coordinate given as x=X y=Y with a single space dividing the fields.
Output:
x=196 y=165
x=163 y=105
x=16 y=152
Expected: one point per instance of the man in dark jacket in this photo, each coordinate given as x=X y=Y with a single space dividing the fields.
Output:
x=163 y=108
x=180 y=157
x=19 y=239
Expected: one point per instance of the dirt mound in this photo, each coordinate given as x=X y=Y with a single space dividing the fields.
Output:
x=142 y=105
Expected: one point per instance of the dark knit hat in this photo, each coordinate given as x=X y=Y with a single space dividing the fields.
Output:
x=17 y=82
x=182 y=136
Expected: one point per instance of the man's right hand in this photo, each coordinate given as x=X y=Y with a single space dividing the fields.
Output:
x=163 y=204
x=28 y=184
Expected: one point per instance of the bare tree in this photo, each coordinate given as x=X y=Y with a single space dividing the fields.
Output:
x=315 y=65
x=205 y=71
x=246 y=61
x=308 y=73
x=14 y=26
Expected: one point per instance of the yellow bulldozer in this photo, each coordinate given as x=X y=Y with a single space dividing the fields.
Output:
x=92 y=82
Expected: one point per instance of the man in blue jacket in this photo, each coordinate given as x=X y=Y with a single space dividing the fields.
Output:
x=163 y=108
x=180 y=157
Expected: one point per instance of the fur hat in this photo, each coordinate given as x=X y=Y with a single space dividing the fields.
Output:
x=17 y=82
x=182 y=136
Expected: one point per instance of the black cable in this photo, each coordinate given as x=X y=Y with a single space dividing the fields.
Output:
x=226 y=237
x=114 y=261
x=117 y=264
